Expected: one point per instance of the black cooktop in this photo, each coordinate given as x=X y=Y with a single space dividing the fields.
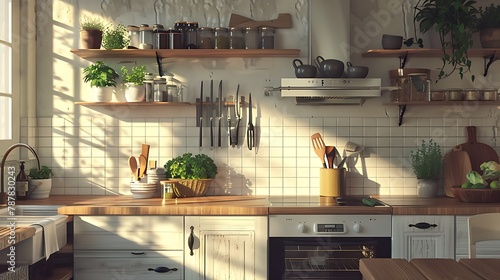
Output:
x=314 y=201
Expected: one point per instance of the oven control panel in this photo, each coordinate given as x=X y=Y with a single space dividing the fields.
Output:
x=330 y=225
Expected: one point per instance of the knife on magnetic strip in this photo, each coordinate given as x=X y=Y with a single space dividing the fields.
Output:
x=201 y=115
x=219 y=114
x=211 y=112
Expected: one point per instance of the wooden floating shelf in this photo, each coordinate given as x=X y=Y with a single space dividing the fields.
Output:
x=426 y=53
x=184 y=53
x=150 y=103
x=445 y=103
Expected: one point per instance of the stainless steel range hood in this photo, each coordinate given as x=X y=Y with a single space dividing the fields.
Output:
x=324 y=91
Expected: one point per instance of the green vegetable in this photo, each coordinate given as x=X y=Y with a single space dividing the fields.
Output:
x=478 y=186
x=188 y=166
x=466 y=185
x=491 y=170
x=475 y=178
x=494 y=184
x=369 y=201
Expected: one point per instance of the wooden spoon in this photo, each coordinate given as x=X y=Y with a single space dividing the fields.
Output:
x=330 y=155
x=145 y=153
x=132 y=163
x=143 y=163
x=319 y=147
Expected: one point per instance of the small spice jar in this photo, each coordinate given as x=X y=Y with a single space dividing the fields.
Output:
x=472 y=94
x=146 y=37
x=454 y=94
x=167 y=190
x=182 y=27
x=205 y=38
x=266 y=37
x=221 y=38
x=236 y=39
x=192 y=35
x=437 y=95
x=490 y=94
x=251 y=38
x=135 y=38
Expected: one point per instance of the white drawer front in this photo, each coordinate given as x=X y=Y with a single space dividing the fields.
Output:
x=106 y=265
x=129 y=232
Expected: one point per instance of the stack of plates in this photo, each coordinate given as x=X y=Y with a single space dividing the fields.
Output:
x=154 y=177
x=142 y=190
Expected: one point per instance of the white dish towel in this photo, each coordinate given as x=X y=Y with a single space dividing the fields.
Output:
x=49 y=236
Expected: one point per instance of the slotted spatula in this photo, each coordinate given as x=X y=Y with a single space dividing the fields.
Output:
x=319 y=147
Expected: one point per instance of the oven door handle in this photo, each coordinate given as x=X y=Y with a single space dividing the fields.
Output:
x=422 y=225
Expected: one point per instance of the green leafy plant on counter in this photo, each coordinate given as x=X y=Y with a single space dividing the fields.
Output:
x=426 y=161
x=100 y=75
x=188 y=166
x=117 y=38
x=136 y=76
x=44 y=173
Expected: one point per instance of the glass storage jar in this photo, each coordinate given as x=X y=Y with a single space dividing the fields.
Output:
x=192 y=35
x=454 y=94
x=437 y=95
x=148 y=82
x=182 y=27
x=146 y=38
x=490 y=94
x=160 y=89
x=205 y=38
x=174 y=39
x=221 y=38
x=251 y=38
x=160 y=37
x=266 y=37
x=472 y=94
x=135 y=38
x=236 y=39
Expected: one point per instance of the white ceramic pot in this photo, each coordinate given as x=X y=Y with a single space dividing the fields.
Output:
x=135 y=93
x=427 y=187
x=103 y=94
x=39 y=188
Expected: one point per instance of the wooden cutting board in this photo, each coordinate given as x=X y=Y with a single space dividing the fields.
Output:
x=478 y=152
x=456 y=165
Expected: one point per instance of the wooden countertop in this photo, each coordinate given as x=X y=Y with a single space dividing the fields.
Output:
x=22 y=233
x=257 y=206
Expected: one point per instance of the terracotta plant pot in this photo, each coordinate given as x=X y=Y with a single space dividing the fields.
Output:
x=490 y=38
x=90 y=39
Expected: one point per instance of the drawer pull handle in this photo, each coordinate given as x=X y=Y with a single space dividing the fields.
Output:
x=191 y=241
x=162 y=269
x=422 y=225
x=137 y=253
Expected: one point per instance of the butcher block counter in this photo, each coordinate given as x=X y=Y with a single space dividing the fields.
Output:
x=258 y=206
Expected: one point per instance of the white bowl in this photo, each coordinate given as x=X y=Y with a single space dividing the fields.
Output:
x=142 y=190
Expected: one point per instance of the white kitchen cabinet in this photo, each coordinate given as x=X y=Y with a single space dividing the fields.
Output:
x=436 y=241
x=485 y=249
x=226 y=247
x=110 y=247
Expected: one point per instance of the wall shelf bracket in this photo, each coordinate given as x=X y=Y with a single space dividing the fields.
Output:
x=402 y=60
x=402 y=109
x=488 y=60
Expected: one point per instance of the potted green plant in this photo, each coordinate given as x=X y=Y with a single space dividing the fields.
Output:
x=191 y=173
x=117 y=38
x=456 y=18
x=426 y=163
x=40 y=182
x=488 y=25
x=91 y=30
x=134 y=80
x=102 y=79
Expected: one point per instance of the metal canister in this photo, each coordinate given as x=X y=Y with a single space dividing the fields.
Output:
x=174 y=39
x=490 y=94
x=182 y=27
x=437 y=95
x=251 y=38
x=266 y=37
x=236 y=39
x=135 y=38
x=192 y=35
x=472 y=94
x=454 y=94
x=205 y=38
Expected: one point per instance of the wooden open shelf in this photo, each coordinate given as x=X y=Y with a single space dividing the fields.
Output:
x=184 y=53
x=134 y=103
x=427 y=53
x=444 y=103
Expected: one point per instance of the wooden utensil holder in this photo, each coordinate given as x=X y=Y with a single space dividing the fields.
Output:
x=331 y=182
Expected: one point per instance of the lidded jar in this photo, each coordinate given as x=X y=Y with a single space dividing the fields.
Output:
x=135 y=38
x=266 y=37
x=148 y=82
x=205 y=38
x=251 y=38
x=160 y=89
x=221 y=38
x=182 y=27
x=146 y=37
x=192 y=35
x=236 y=39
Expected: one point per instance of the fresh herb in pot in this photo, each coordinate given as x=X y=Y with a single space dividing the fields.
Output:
x=88 y=23
x=115 y=38
x=44 y=173
x=136 y=76
x=100 y=75
x=427 y=160
x=188 y=166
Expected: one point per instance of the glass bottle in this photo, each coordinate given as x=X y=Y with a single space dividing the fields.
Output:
x=22 y=184
x=251 y=38
x=266 y=37
x=146 y=38
x=192 y=35
x=205 y=38
x=221 y=38
x=236 y=39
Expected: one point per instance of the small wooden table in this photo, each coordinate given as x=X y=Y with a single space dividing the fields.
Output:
x=489 y=269
x=444 y=269
x=388 y=269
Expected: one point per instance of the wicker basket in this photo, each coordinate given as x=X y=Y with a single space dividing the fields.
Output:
x=190 y=188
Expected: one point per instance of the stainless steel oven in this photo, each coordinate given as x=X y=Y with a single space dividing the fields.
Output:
x=325 y=246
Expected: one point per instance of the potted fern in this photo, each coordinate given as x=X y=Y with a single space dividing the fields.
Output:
x=426 y=163
x=135 y=90
x=456 y=18
x=191 y=174
x=102 y=79
x=488 y=24
x=40 y=182
x=91 y=30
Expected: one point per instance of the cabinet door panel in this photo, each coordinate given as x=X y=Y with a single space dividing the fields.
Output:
x=485 y=249
x=123 y=265
x=434 y=242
